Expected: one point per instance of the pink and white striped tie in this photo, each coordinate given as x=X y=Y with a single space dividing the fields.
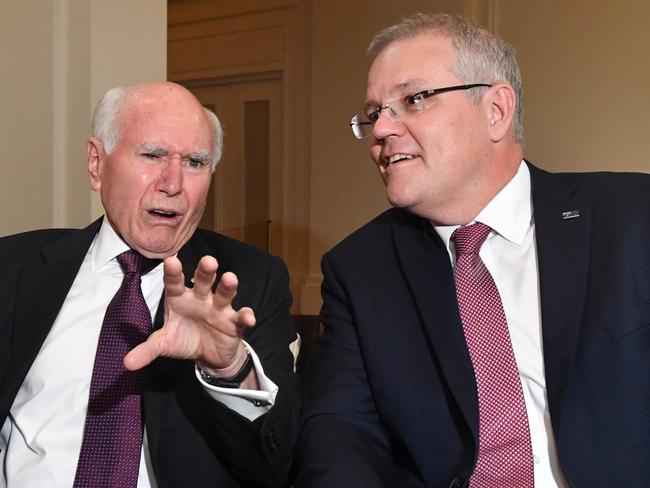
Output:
x=505 y=458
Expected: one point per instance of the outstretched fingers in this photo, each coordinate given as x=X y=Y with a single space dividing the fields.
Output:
x=204 y=276
x=245 y=317
x=226 y=290
x=199 y=324
x=173 y=277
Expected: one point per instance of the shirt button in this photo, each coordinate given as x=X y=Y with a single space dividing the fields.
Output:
x=535 y=459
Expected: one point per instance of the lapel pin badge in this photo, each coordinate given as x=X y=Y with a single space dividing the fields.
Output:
x=571 y=214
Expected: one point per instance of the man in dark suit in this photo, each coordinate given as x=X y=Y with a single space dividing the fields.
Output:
x=219 y=403
x=429 y=347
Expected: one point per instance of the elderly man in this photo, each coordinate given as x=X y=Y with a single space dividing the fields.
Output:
x=90 y=397
x=491 y=330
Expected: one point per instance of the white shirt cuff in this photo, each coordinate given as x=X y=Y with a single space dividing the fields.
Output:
x=247 y=403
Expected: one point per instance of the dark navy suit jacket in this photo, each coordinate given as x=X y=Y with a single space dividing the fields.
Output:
x=391 y=398
x=193 y=440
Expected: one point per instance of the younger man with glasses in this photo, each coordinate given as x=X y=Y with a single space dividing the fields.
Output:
x=491 y=330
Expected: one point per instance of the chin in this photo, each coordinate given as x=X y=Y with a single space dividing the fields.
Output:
x=401 y=200
x=162 y=242
x=153 y=254
x=157 y=250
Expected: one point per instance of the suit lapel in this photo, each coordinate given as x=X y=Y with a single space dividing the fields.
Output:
x=563 y=234
x=41 y=291
x=427 y=269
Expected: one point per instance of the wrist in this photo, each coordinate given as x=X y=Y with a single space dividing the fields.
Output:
x=231 y=369
x=231 y=376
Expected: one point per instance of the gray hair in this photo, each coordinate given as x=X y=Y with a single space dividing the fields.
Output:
x=106 y=123
x=481 y=56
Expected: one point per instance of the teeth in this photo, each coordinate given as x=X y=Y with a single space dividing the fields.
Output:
x=398 y=157
x=163 y=213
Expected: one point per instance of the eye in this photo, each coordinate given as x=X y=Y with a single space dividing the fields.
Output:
x=415 y=100
x=196 y=163
x=150 y=155
x=372 y=115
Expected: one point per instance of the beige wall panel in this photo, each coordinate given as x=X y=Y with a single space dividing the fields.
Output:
x=72 y=106
x=129 y=42
x=58 y=58
x=129 y=45
x=586 y=70
x=26 y=115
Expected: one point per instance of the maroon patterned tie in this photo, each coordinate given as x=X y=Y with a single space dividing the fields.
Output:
x=505 y=458
x=112 y=440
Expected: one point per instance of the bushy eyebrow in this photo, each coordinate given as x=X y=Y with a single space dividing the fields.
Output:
x=154 y=150
x=158 y=151
x=199 y=156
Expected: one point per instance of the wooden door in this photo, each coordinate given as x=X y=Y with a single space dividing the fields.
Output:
x=246 y=197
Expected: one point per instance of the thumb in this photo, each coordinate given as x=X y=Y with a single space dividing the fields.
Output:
x=143 y=354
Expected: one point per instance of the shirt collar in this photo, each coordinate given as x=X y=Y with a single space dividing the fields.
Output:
x=509 y=213
x=106 y=246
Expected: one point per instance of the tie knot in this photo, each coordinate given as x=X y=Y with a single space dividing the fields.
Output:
x=468 y=240
x=133 y=262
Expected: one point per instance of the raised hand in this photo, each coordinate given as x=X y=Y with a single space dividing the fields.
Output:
x=199 y=324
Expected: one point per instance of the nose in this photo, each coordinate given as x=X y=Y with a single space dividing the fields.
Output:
x=387 y=123
x=171 y=177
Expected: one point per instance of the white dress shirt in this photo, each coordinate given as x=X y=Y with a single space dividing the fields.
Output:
x=510 y=254
x=41 y=438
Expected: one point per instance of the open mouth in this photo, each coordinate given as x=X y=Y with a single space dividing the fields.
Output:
x=396 y=158
x=166 y=214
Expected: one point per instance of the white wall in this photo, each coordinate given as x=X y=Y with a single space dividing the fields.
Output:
x=58 y=57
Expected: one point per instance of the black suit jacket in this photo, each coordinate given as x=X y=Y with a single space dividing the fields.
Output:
x=391 y=398
x=193 y=440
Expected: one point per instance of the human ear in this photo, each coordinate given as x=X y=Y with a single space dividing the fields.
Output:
x=501 y=110
x=95 y=155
